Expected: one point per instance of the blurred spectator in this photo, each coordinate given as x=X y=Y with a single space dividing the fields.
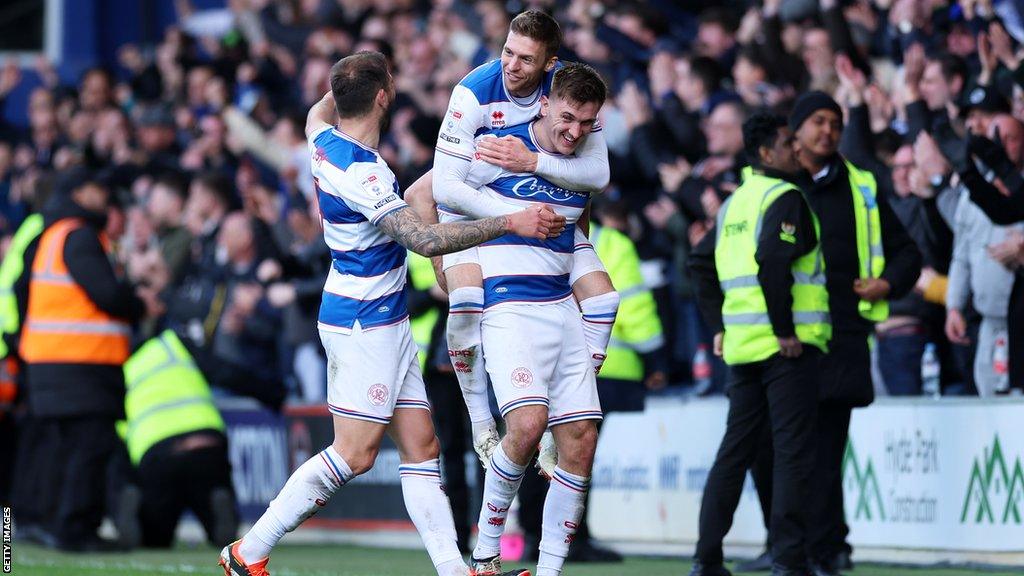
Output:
x=977 y=276
x=165 y=209
x=74 y=342
x=249 y=324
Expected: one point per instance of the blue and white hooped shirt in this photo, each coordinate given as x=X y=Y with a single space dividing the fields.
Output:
x=355 y=189
x=518 y=269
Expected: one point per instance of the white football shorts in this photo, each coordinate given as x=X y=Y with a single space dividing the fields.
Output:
x=536 y=354
x=372 y=372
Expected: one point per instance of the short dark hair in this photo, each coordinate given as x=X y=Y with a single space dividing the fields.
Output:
x=708 y=71
x=175 y=183
x=74 y=179
x=760 y=131
x=219 y=185
x=580 y=84
x=356 y=80
x=539 y=26
x=952 y=66
x=724 y=17
x=756 y=56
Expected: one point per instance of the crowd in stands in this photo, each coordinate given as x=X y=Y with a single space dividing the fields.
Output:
x=200 y=135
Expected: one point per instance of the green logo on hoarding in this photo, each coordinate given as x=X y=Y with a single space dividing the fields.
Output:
x=869 y=496
x=992 y=483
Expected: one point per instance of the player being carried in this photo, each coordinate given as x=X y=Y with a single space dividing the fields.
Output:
x=534 y=341
x=502 y=93
x=374 y=382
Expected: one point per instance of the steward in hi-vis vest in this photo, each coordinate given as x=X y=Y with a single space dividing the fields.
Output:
x=176 y=440
x=74 y=342
x=761 y=286
x=11 y=270
x=869 y=259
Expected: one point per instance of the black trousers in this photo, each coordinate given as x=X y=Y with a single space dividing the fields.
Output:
x=761 y=472
x=826 y=517
x=784 y=392
x=82 y=447
x=173 y=478
x=8 y=450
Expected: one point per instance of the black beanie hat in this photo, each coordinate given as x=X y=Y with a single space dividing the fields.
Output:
x=810 y=103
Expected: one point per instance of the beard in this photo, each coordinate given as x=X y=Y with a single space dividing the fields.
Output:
x=385 y=119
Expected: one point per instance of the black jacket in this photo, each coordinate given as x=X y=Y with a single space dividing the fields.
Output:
x=63 y=390
x=832 y=201
x=774 y=256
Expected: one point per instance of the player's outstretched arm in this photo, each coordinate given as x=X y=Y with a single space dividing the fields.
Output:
x=586 y=170
x=406 y=227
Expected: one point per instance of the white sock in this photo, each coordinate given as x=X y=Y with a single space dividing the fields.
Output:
x=431 y=512
x=563 y=508
x=465 y=307
x=307 y=490
x=598 y=317
x=500 y=486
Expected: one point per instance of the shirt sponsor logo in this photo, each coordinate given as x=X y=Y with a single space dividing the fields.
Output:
x=448 y=138
x=372 y=185
x=454 y=118
x=387 y=199
x=530 y=187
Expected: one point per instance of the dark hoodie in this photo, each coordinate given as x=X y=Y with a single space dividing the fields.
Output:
x=62 y=390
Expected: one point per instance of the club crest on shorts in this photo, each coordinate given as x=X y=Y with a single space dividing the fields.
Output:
x=522 y=377
x=377 y=394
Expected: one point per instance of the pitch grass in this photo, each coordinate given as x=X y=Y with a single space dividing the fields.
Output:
x=348 y=561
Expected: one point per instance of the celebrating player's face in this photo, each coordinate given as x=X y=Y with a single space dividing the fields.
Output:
x=523 y=63
x=568 y=123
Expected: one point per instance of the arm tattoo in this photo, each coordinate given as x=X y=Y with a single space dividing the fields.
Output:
x=405 y=226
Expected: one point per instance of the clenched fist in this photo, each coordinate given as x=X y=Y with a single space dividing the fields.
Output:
x=539 y=222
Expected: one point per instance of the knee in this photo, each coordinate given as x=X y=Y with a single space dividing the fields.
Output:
x=429 y=449
x=359 y=460
x=524 y=432
x=577 y=447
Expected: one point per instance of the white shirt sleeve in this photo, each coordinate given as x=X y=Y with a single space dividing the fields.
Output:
x=375 y=195
x=455 y=152
x=586 y=171
x=311 y=140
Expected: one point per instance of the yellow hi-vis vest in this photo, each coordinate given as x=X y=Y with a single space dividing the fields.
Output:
x=10 y=270
x=422 y=326
x=167 y=395
x=10 y=322
x=869 y=237
x=748 y=331
x=637 y=328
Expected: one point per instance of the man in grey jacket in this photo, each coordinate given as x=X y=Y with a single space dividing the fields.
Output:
x=975 y=272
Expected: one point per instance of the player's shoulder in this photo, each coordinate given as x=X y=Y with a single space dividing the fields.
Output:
x=485 y=82
x=521 y=131
x=343 y=152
